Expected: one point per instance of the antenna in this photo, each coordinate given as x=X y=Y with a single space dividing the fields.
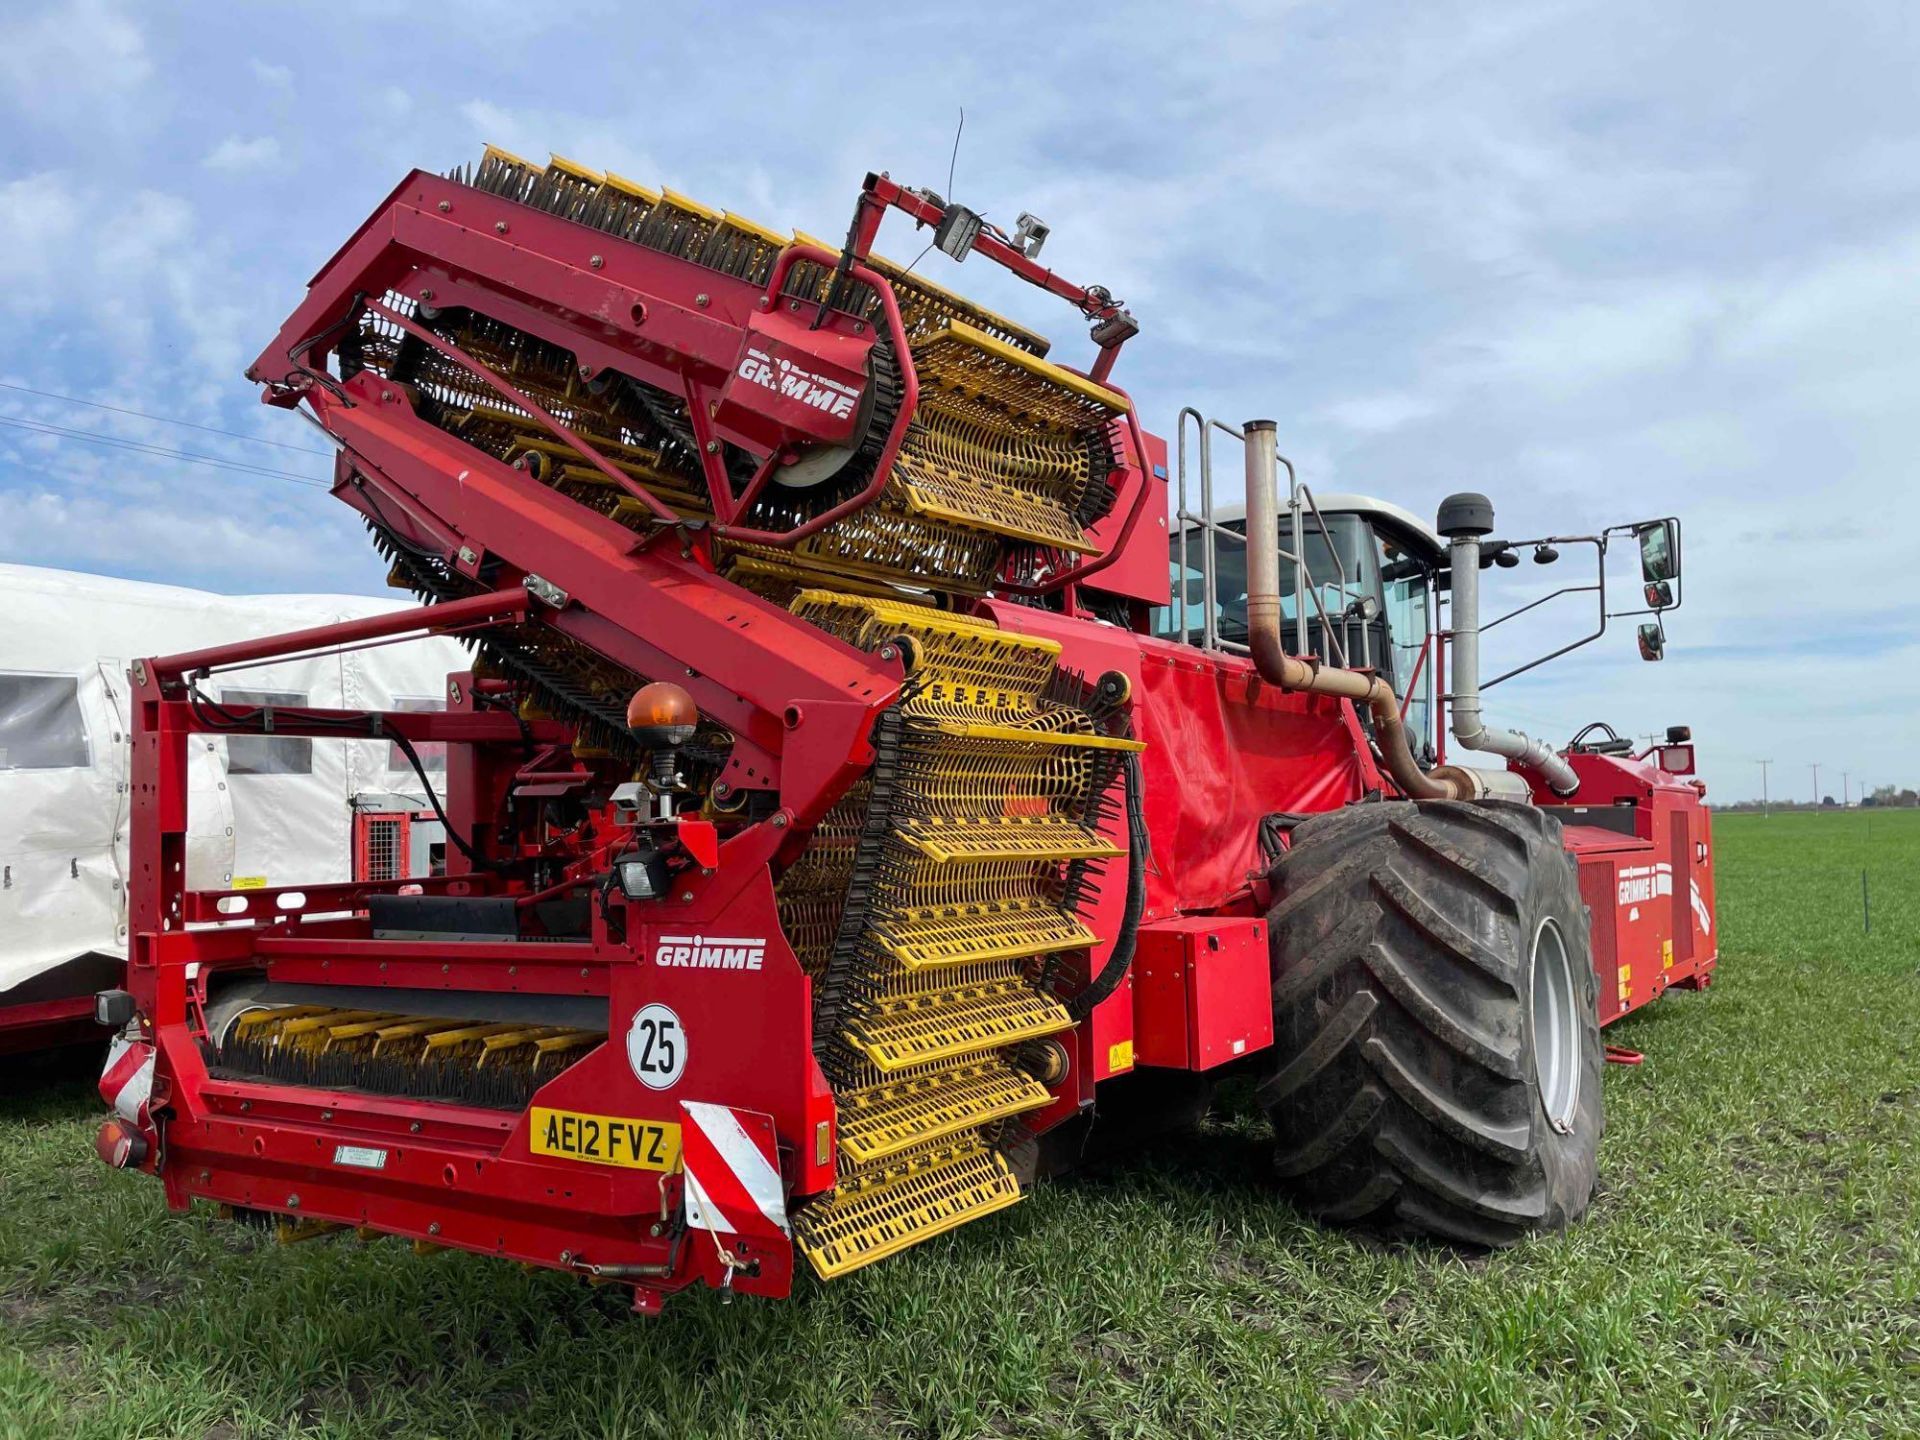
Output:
x=947 y=199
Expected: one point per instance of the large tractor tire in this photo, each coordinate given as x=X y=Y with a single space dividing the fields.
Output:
x=1435 y=1022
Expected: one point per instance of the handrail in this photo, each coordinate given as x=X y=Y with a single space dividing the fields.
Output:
x=1298 y=491
x=1305 y=584
x=1413 y=680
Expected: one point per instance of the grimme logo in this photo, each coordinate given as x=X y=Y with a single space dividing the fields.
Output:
x=1640 y=883
x=791 y=381
x=710 y=952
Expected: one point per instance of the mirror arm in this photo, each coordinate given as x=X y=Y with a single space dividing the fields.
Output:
x=1601 y=588
x=1532 y=604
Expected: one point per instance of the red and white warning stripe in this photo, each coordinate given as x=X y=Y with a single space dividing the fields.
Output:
x=732 y=1171
x=1700 y=910
x=127 y=1082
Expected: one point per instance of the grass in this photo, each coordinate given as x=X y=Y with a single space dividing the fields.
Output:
x=1750 y=1267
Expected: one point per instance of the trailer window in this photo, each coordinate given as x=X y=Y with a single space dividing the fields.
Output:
x=41 y=727
x=432 y=753
x=267 y=754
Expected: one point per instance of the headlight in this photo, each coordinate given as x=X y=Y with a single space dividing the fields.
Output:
x=113 y=1009
x=643 y=875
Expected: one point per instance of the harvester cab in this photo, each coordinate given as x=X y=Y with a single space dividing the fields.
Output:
x=1365 y=583
x=841 y=806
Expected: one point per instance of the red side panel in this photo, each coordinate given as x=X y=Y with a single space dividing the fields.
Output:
x=1202 y=993
x=1140 y=571
x=1642 y=837
x=1224 y=748
x=47 y=1024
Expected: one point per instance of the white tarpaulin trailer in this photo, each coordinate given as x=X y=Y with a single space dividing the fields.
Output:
x=264 y=810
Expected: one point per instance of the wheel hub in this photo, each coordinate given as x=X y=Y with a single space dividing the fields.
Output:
x=1556 y=1027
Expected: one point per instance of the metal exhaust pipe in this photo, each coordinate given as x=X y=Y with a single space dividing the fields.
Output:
x=1464 y=519
x=1292 y=672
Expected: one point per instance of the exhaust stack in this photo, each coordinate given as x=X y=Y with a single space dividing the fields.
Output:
x=1464 y=519
x=1293 y=672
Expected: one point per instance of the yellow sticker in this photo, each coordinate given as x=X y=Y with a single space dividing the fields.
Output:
x=1666 y=954
x=605 y=1139
x=1120 y=1055
x=249 y=882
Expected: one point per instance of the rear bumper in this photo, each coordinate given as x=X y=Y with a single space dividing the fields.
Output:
x=439 y=1174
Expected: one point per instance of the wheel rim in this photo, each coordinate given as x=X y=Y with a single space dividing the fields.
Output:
x=1556 y=1027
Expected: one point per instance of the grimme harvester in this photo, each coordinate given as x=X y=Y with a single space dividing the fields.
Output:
x=847 y=820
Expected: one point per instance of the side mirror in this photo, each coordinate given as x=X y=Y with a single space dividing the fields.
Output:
x=1653 y=641
x=1659 y=551
x=1659 y=594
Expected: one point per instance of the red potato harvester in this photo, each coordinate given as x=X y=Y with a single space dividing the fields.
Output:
x=842 y=802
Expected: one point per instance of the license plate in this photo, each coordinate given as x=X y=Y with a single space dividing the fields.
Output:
x=605 y=1139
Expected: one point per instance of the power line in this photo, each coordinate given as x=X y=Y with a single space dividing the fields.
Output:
x=141 y=447
x=162 y=419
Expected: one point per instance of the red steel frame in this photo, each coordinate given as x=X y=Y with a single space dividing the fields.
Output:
x=47 y=1025
x=1223 y=750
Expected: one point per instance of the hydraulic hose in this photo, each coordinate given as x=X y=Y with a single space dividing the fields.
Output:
x=1082 y=1005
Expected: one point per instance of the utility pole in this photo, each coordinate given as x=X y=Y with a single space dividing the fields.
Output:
x=1844 y=775
x=1766 y=806
x=1815 y=764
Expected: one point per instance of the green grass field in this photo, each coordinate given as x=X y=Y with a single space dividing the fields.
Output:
x=1751 y=1265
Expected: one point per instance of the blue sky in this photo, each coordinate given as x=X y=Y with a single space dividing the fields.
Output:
x=1601 y=261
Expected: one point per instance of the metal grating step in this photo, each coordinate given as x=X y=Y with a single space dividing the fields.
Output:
x=884 y=1120
x=1037 y=393
x=932 y=490
x=1006 y=930
x=904 y=1030
x=922 y=1195
x=1038 y=838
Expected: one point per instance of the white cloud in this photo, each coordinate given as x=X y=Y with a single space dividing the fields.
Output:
x=274 y=77
x=1387 y=410
x=40 y=217
x=76 y=65
x=235 y=156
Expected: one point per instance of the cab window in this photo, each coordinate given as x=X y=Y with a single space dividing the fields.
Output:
x=1407 y=587
x=1345 y=538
